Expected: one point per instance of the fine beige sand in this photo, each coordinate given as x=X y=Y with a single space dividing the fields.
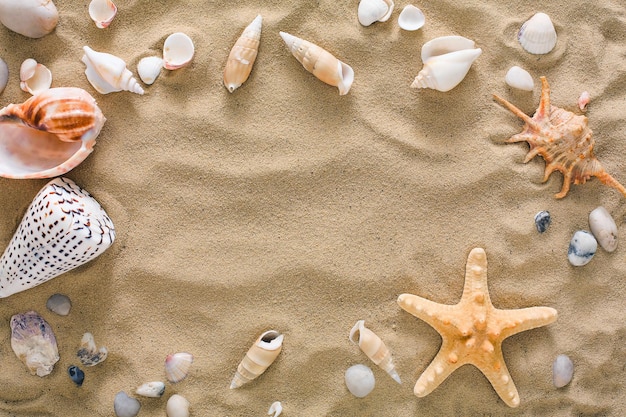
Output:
x=286 y=206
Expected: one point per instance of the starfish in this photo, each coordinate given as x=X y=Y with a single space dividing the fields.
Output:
x=473 y=331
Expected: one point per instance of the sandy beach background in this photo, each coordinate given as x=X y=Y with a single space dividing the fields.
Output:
x=286 y=206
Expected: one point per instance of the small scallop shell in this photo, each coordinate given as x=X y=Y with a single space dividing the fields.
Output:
x=31 y=18
x=537 y=35
x=153 y=389
x=102 y=12
x=125 y=406
x=34 y=77
x=89 y=354
x=242 y=55
x=603 y=228
x=275 y=409
x=178 y=51
x=519 y=78
x=177 y=366
x=583 y=101
x=34 y=343
x=320 y=63
x=360 y=380
x=374 y=348
x=4 y=75
x=108 y=73
x=371 y=11
x=177 y=406
x=562 y=371
x=259 y=357
x=411 y=18
x=149 y=68
x=582 y=247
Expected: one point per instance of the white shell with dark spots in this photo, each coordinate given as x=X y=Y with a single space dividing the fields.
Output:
x=63 y=228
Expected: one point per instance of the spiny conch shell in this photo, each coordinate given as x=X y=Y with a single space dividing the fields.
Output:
x=154 y=389
x=89 y=354
x=537 y=35
x=177 y=406
x=411 y=18
x=242 y=56
x=102 y=12
x=583 y=101
x=63 y=228
x=519 y=78
x=371 y=11
x=447 y=61
x=34 y=77
x=4 y=75
x=259 y=357
x=374 y=348
x=34 y=342
x=31 y=18
x=177 y=366
x=108 y=73
x=178 y=51
x=149 y=68
x=320 y=63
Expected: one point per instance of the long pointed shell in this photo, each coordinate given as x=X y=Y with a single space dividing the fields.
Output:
x=34 y=343
x=31 y=18
x=178 y=51
x=177 y=366
x=444 y=72
x=34 y=77
x=374 y=348
x=242 y=55
x=259 y=357
x=108 y=73
x=49 y=134
x=102 y=12
x=320 y=63
x=537 y=35
x=371 y=11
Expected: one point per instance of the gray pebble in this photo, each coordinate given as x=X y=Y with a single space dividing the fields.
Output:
x=60 y=304
x=562 y=371
x=125 y=406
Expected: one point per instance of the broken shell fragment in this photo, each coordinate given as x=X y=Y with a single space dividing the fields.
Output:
x=537 y=35
x=60 y=304
x=178 y=51
x=125 y=406
x=177 y=366
x=108 y=73
x=102 y=12
x=276 y=409
x=153 y=389
x=89 y=354
x=31 y=18
x=259 y=357
x=34 y=77
x=64 y=227
x=320 y=63
x=76 y=375
x=360 y=380
x=371 y=11
x=519 y=78
x=583 y=101
x=603 y=228
x=149 y=68
x=177 y=406
x=374 y=348
x=411 y=18
x=34 y=343
x=242 y=55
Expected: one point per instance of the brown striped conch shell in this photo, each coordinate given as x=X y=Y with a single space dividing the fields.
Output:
x=242 y=56
x=259 y=357
x=49 y=134
x=374 y=348
x=320 y=63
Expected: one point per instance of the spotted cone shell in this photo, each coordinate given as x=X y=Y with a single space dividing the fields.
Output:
x=63 y=228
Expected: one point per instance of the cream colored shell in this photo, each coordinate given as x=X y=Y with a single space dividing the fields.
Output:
x=34 y=77
x=177 y=366
x=374 y=348
x=102 y=12
x=31 y=18
x=242 y=55
x=108 y=73
x=538 y=35
x=259 y=357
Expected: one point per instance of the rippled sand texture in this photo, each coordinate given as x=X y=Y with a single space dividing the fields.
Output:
x=287 y=206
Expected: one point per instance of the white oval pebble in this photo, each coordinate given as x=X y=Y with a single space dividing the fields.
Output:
x=360 y=380
x=581 y=249
x=562 y=371
x=603 y=228
x=519 y=78
x=125 y=406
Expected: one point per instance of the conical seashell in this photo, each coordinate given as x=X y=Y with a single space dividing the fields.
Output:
x=149 y=68
x=34 y=343
x=411 y=18
x=31 y=18
x=374 y=348
x=445 y=44
x=177 y=366
x=49 y=134
x=177 y=406
x=583 y=101
x=371 y=11
x=178 y=51
x=34 y=77
x=4 y=75
x=63 y=228
x=537 y=35
x=242 y=56
x=259 y=357
x=320 y=63
x=603 y=228
x=102 y=12
x=153 y=389
x=519 y=78
x=89 y=354
x=444 y=72
x=108 y=73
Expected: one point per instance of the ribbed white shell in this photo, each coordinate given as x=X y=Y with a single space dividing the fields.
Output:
x=537 y=35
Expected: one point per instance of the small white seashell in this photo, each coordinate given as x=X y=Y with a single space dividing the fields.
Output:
x=153 y=389
x=102 y=12
x=60 y=304
x=374 y=348
x=583 y=101
x=108 y=73
x=562 y=371
x=178 y=51
x=31 y=18
x=537 y=35
x=4 y=75
x=603 y=228
x=34 y=343
x=259 y=357
x=581 y=249
x=371 y=11
x=177 y=406
x=177 y=366
x=360 y=380
x=125 y=406
x=445 y=44
x=275 y=409
x=519 y=78
x=34 y=77
x=89 y=354
x=149 y=68
x=411 y=18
